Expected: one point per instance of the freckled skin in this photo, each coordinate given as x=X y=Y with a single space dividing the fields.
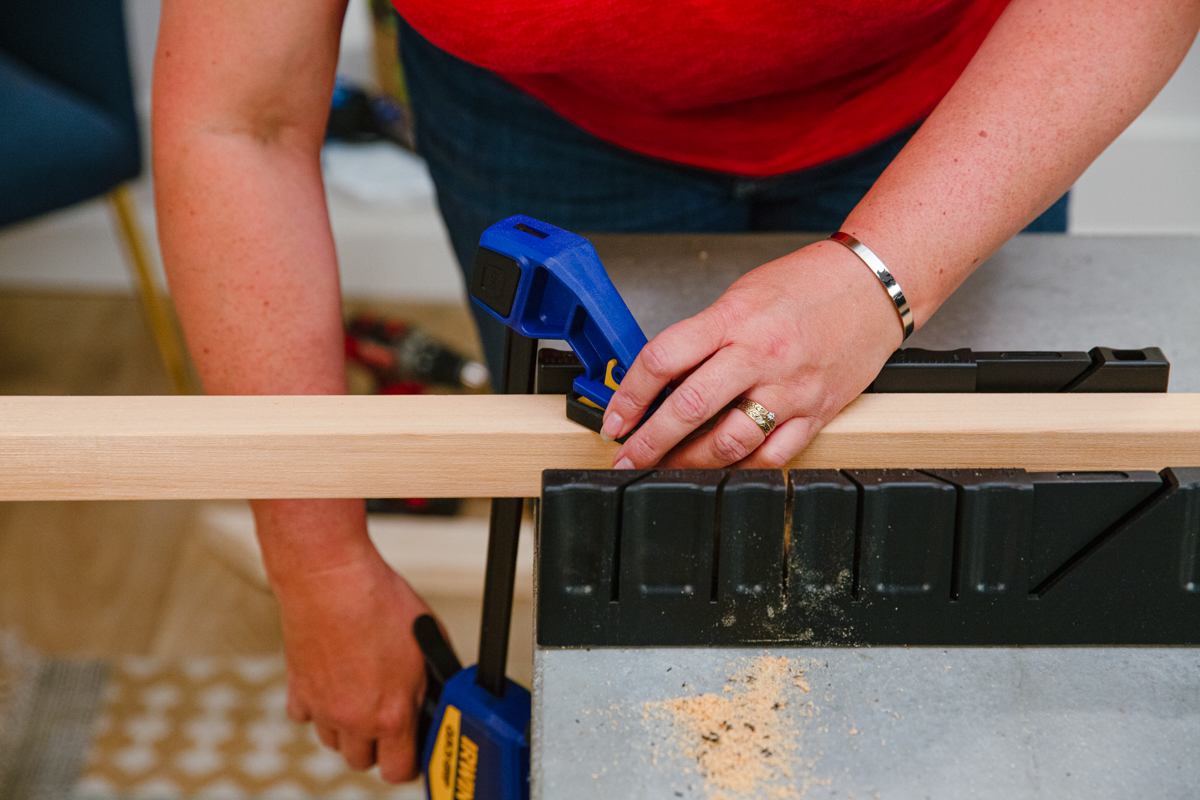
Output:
x=241 y=95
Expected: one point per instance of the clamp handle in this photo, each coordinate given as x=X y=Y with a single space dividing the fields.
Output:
x=547 y=283
x=441 y=664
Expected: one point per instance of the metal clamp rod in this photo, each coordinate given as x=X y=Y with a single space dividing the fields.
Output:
x=520 y=354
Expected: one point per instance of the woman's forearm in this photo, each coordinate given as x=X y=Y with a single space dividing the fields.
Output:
x=250 y=256
x=241 y=94
x=1054 y=83
x=241 y=97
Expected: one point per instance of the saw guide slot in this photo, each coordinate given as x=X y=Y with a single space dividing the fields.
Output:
x=869 y=557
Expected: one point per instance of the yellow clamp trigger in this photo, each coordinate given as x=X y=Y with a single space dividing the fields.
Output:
x=609 y=381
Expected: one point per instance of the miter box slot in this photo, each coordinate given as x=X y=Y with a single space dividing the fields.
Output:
x=1187 y=483
x=690 y=550
x=1129 y=585
x=906 y=529
x=822 y=555
x=1148 y=488
x=667 y=555
x=579 y=561
x=1021 y=372
x=942 y=557
x=914 y=369
x=1072 y=509
x=992 y=523
x=750 y=568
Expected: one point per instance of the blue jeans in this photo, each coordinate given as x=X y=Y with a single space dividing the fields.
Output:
x=494 y=151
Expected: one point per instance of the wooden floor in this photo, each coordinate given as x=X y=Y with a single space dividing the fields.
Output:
x=152 y=578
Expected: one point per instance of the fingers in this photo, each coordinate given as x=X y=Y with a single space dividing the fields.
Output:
x=394 y=750
x=328 y=735
x=784 y=443
x=731 y=440
x=737 y=439
x=297 y=711
x=359 y=751
x=398 y=756
x=393 y=747
x=706 y=391
x=397 y=745
x=673 y=352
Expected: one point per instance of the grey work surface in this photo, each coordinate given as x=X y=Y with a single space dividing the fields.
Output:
x=1002 y=723
x=1039 y=292
x=999 y=723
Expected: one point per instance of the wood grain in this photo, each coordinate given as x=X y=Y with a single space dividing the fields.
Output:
x=495 y=446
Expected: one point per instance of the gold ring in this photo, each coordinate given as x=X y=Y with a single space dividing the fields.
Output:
x=762 y=418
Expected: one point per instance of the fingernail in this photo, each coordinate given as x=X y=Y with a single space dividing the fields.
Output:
x=624 y=463
x=612 y=426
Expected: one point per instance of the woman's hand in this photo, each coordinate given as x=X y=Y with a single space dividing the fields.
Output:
x=802 y=336
x=354 y=669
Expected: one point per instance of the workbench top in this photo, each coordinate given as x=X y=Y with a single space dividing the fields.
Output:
x=908 y=723
x=887 y=722
x=1039 y=292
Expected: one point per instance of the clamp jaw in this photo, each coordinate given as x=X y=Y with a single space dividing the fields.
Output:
x=547 y=283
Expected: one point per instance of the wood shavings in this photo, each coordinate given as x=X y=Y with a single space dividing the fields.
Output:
x=741 y=739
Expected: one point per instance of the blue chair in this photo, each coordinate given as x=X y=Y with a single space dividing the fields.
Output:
x=69 y=132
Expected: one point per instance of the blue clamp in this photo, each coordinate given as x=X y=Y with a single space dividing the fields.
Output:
x=547 y=283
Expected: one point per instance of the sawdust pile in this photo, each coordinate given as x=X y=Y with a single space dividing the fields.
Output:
x=741 y=739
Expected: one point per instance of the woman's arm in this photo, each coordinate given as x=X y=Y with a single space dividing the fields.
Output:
x=241 y=96
x=1052 y=85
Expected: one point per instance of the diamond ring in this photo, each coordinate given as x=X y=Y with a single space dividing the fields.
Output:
x=762 y=418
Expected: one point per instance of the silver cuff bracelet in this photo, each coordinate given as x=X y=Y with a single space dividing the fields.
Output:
x=885 y=277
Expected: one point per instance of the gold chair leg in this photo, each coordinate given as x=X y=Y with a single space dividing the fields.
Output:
x=166 y=336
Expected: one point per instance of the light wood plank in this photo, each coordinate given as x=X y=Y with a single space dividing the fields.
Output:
x=497 y=446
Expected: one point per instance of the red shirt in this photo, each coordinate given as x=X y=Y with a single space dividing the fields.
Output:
x=754 y=88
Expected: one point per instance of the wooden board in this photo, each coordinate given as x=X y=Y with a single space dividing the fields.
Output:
x=494 y=446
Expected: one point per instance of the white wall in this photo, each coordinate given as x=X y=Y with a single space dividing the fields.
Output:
x=1148 y=181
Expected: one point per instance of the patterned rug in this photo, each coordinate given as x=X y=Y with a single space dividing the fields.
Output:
x=143 y=729
x=47 y=711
